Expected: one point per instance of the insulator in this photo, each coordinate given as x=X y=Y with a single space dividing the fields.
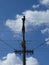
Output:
x=23 y=44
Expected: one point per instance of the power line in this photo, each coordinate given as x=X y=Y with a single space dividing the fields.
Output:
x=7 y=44
x=28 y=41
x=40 y=45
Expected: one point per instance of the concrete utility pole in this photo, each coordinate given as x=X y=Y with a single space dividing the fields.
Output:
x=23 y=51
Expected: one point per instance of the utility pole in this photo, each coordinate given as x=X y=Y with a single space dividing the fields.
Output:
x=24 y=51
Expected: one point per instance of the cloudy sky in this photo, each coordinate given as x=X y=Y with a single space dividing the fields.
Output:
x=37 y=31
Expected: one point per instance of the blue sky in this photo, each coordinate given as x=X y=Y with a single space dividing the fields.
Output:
x=37 y=29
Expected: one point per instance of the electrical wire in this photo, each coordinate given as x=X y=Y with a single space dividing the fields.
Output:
x=13 y=49
x=40 y=45
x=18 y=41
x=7 y=45
x=27 y=41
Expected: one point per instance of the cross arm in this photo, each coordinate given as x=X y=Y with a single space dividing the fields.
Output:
x=18 y=51
x=29 y=51
x=21 y=51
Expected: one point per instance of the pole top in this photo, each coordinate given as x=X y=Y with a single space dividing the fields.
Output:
x=23 y=18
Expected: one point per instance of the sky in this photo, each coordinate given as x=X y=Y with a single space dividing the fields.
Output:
x=37 y=31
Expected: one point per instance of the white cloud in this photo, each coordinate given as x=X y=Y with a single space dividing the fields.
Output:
x=12 y=59
x=32 y=61
x=35 y=6
x=33 y=18
x=47 y=40
x=45 y=2
x=15 y=25
x=45 y=30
